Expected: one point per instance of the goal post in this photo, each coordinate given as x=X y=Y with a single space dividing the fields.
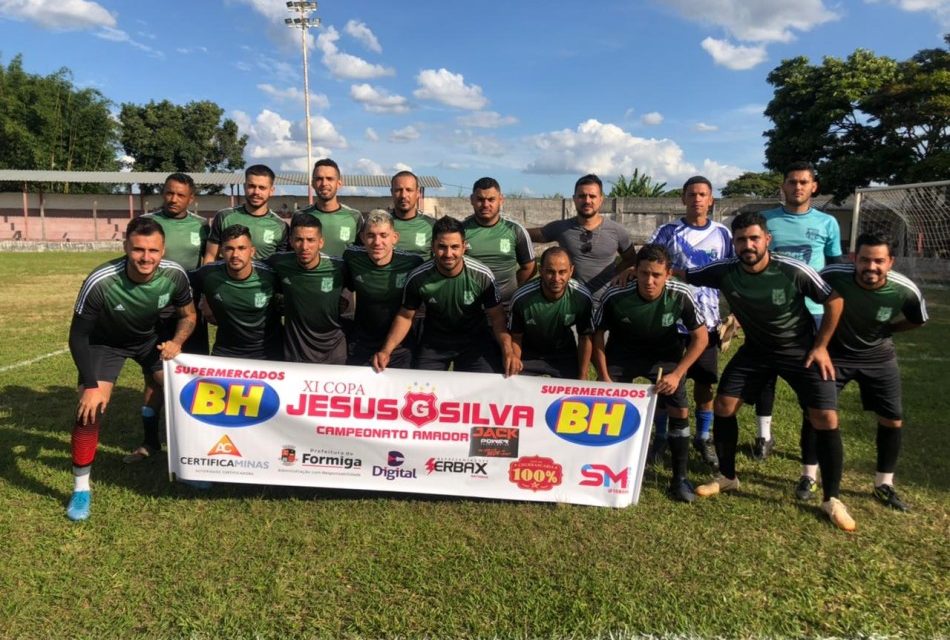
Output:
x=917 y=217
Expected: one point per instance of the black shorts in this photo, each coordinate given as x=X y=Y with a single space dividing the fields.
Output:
x=625 y=370
x=879 y=383
x=706 y=368
x=481 y=355
x=361 y=354
x=748 y=372
x=108 y=361
x=556 y=367
x=197 y=343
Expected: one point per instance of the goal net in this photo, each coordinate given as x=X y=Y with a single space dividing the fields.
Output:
x=917 y=217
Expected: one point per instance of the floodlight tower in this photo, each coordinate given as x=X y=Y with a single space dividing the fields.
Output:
x=304 y=22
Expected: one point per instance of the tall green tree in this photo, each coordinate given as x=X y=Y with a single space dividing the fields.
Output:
x=48 y=123
x=165 y=137
x=639 y=185
x=864 y=119
x=764 y=184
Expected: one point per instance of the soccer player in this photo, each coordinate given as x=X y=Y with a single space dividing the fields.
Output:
x=500 y=244
x=458 y=293
x=115 y=318
x=802 y=232
x=239 y=292
x=268 y=231
x=642 y=317
x=376 y=271
x=767 y=294
x=694 y=241
x=543 y=313
x=341 y=224
x=862 y=349
x=414 y=228
x=593 y=241
x=311 y=283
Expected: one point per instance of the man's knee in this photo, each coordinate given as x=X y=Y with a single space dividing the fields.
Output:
x=726 y=406
x=890 y=423
x=823 y=419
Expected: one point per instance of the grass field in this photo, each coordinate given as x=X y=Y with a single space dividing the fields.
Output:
x=160 y=560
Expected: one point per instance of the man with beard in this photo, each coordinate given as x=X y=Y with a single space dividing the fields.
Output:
x=544 y=314
x=862 y=349
x=593 y=241
x=377 y=271
x=412 y=226
x=458 y=292
x=341 y=224
x=767 y=294
x=268 y=231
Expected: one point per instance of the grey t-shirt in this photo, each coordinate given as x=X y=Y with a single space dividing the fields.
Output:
x=595 y=266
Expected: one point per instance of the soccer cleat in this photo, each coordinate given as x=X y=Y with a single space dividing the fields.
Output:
x=719 y=484
x=886 y=495
x=707 y=450
x=140 y=454
x=657 y=451
x=806 y=489
x=762 y=448
x=78 y=507
x=838 y=514
x=680 y=490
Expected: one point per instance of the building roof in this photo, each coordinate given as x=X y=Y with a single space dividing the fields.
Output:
x=154 y=177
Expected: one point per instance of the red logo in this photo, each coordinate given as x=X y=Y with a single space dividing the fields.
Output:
x=419 y=408
x=535 y=473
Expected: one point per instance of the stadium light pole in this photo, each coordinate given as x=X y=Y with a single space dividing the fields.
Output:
x=304 y=22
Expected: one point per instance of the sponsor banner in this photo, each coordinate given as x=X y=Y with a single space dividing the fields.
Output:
x=463 y=434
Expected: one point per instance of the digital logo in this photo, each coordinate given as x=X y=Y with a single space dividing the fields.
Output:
x=445 y=465
x=395 y=459
x=420 y=408
x=592 y=422
x=493 y=442
x=535 y=473
x=600 y=475
x=288 y=454
x=224 y=447
x=393 y=470
x=229 y=403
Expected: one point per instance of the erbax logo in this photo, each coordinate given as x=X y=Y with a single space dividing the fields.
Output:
x=470 y=467
x=600 y=475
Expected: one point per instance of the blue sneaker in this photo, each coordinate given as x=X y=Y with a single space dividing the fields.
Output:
x=78 y=507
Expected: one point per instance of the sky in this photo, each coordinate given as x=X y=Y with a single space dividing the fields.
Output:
x=532 y=93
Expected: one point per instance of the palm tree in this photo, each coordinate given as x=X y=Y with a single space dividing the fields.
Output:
x=640 y=185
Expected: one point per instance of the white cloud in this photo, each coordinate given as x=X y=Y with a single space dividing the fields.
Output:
x=406 y=134
x=364 y=34
x=758 y=20
x=401 y=166
x=273 y=138
x=323 y=132
x=940 y=8
x=189 y=50
x=118 y=35
x=275 y=11
x=735 y=57
x=481 y=145
x=58 y=14
x=344 y=65
x=702 y=127
x=449 y=89
x=652 y=119
x=367 y=167
x=377 y=100
x=371 y=135
x=486 y=120
x=293 y=94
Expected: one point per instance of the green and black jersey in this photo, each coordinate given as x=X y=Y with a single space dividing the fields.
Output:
x=546 y=324
x=863 y=335
x=770 y=304
x=185 y=237
x=311 y=305
x=455 y=306
x=415 y=234
x=378 y=291
x=340 y=228
x=245 y=310
x=642 y=328
x=502 y=247
x=268 y=231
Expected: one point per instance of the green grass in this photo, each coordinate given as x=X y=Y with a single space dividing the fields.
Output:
x=160 y=560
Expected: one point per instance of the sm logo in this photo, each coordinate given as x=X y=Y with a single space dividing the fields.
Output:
x=592 y=422
x=229 y=403
x=600 y=475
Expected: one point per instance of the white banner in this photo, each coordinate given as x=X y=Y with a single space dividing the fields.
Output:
x=463 y=434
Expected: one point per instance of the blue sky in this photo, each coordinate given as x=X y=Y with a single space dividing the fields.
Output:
x=533 y=93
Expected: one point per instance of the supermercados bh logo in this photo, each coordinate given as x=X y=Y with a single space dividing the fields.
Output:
x=592 y=422
x=457 y=465
x=394 y=468
x=224 y=402
x=600 y=475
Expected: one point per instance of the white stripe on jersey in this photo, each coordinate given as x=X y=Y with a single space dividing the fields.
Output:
x=478 y=266
x=732 y=260
x=682 y=287
x=525 y=290
x=527 y=237
x=94 y=278
x=807 y=270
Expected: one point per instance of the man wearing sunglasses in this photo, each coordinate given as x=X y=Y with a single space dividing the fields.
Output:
x=593 y=241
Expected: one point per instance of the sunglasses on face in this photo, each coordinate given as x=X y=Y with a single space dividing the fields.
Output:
x=586 y=236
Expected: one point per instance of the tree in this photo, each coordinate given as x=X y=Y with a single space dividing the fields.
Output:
x=640 y=185
x=47 y=123
x=765 y=184
x=864 y=119
x=166 y=137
